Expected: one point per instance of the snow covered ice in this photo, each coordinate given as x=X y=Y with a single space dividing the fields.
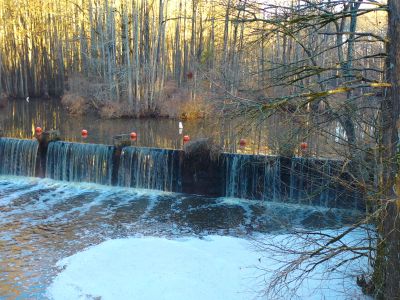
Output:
x=149 y=268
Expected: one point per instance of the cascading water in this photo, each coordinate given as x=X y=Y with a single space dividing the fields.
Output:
x=297 y=179
x=18 y=157
x=80 y=162
x=272 y=179
x=252 y=177
x=150 y=168
x=312 y=181
x=328 y=186
x=240 y=178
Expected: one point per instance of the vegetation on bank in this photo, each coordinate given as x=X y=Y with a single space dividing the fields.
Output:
x=83 y=96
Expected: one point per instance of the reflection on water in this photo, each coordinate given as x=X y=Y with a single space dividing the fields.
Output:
x=42 y=221
x=20 y=118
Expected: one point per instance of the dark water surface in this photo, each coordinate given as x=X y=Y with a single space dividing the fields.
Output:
x=19 y=119
x=42 y=221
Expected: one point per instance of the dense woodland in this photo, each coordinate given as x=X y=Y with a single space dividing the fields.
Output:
x=322 y=64
x=153 y=56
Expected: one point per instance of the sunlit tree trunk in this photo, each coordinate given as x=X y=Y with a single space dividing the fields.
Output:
x=135 y=24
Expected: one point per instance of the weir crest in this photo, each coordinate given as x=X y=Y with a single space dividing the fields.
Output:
x=299 y=180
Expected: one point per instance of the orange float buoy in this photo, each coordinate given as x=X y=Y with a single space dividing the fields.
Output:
x=242 y=143
x=186 y=139
x=38 y=131
x=84 y=133
x=133 y=136
x=303 y=146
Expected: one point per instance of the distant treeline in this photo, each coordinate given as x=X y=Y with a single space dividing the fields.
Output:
x=145 y=53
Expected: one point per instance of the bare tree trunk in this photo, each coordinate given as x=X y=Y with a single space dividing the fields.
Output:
x=128 y=59
x=225 y=47
x=1 y=73
x=212 y=51
x=387 y=264
x=177 y=49
x=135 y=24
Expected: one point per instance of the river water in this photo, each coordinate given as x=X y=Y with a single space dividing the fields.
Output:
x=19 y=119
x=42 y=221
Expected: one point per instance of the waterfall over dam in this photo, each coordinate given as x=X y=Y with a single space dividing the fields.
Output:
x=314 y=181
x=252 y=176
x=18 y=157
x=300 y=180
x=80 y=162
x=150 y=168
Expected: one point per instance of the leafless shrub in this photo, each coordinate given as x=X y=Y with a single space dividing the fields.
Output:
x=195 y=109
x=176 y=102
x=86 y=94
x=114 y=110
x=327 y=253
x=88 y=87
x=204 y=147
x=75 y=104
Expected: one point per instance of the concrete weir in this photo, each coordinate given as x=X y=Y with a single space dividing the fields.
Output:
x=311 y=181
x=44 y=139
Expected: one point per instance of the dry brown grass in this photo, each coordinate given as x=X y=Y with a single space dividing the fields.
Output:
x=177 y=103
x=114 y=110
x=85 y=95
x=194 y=109
x=76 y=104
x=89 y=94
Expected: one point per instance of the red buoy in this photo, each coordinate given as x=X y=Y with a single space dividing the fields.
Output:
x=38 y=131
x=242 y=143
x=84 y=133
x=303 y=146
x=186 y=139
x=133 y=136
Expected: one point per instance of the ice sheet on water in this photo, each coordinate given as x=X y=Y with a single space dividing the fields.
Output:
x=212 y=268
